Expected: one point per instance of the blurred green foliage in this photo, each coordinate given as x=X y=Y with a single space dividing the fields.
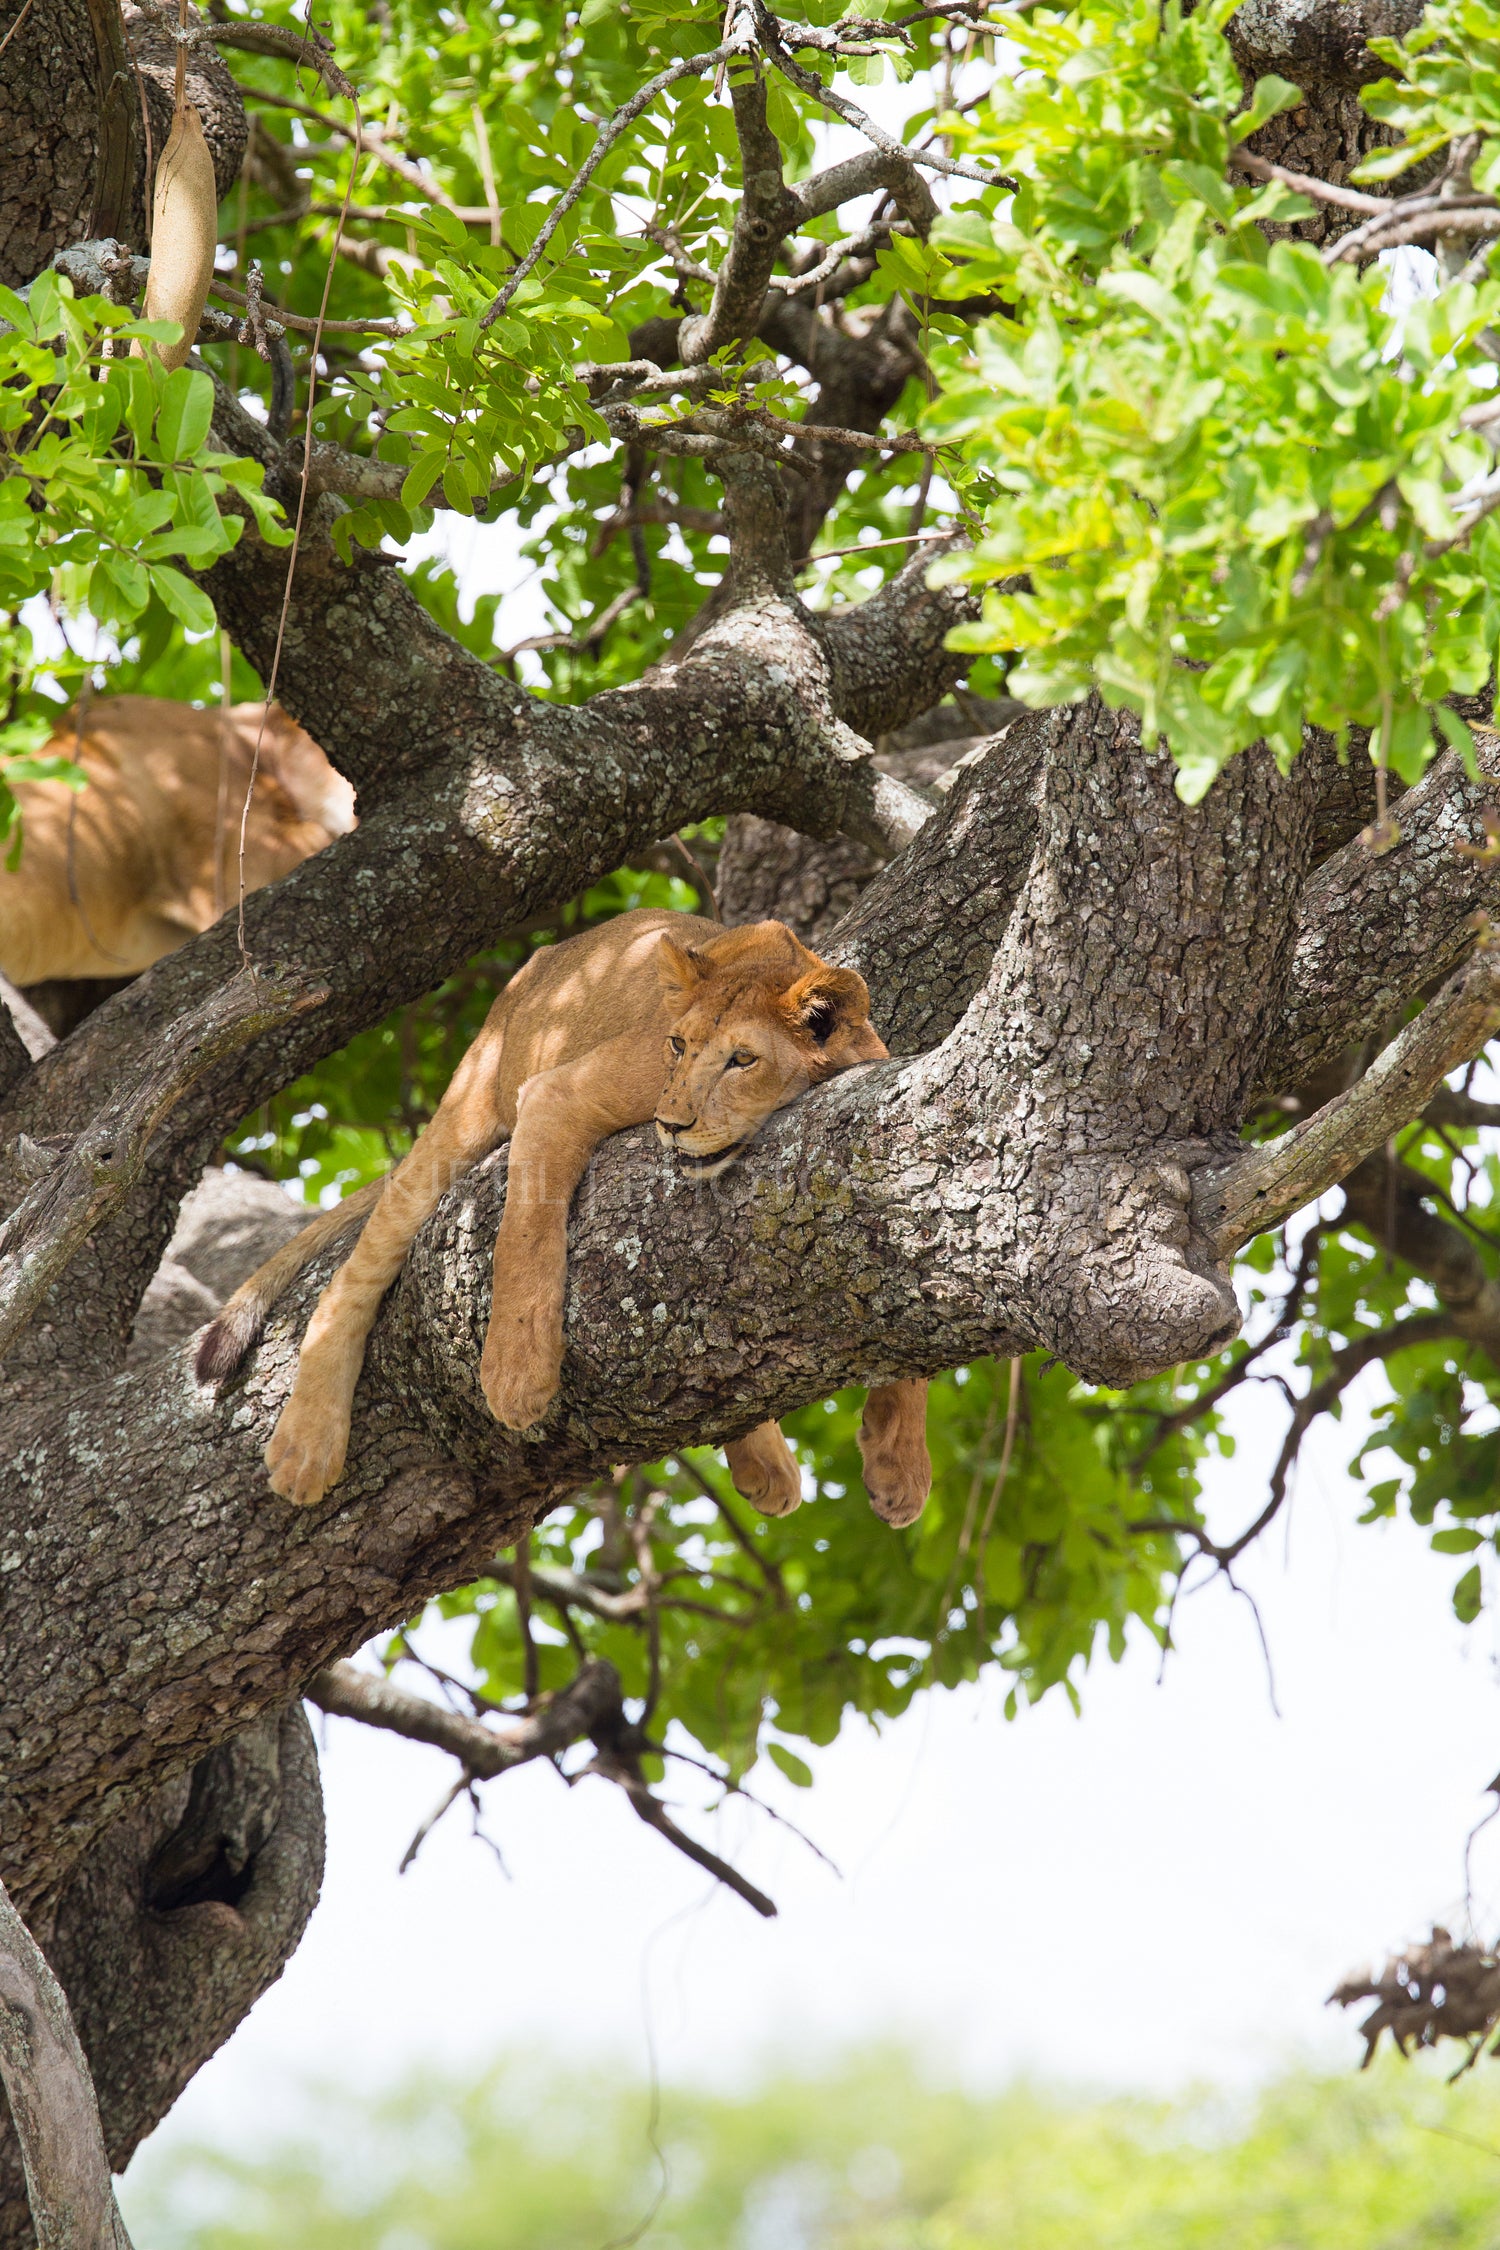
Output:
x=872 y=2158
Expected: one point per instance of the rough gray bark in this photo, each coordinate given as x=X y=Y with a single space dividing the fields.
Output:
x=52 y=2101
x=769 y=873
x=1322 y=48
x=191 y=1903
x=174 y=1920
x=71 y=91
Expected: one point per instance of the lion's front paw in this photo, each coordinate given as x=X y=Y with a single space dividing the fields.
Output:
x=764 y=1471
x=521 y=1365
x=306 y=1450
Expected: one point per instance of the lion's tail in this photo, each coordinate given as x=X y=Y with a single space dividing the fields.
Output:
x=228 y=1340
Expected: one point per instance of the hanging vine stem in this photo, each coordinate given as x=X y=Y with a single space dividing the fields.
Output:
x=291 y=561
x=1002 y=1478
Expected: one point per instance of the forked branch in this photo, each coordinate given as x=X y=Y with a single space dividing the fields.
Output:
x=83 y=1185
x=1268 y=1185
x=484 y=1751
x=590 y=1708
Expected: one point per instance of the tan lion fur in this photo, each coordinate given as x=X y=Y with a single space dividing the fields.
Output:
x=652 y=1014
x=155 y=833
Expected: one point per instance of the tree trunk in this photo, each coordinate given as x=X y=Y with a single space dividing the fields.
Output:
x=1085 y=986
x=74 y=80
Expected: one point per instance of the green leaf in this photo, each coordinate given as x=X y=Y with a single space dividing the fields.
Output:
x=421 y=477
x=1468 y=1596
x=796 y=1769
x=185 y=413
x=1272 y=95
x=187 y=602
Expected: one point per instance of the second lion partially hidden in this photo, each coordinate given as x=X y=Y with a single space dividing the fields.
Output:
x=650 y=1015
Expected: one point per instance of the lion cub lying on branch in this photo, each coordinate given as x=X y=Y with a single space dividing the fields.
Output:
x=653 y=1014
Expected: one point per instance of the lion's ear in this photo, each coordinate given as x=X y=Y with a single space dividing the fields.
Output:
x=829 y=1000
x=680 y=970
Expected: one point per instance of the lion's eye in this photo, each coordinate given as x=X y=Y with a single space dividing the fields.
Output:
x=740 y=1060
x=678 y=1046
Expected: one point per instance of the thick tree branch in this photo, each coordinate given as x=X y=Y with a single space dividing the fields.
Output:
x=174 y=1922
x=859 y=175
x=89 y=1182
x=51 y=2100
x=764 y=216
x=1376 y=929
x=889 y=656
x=1267 y=1186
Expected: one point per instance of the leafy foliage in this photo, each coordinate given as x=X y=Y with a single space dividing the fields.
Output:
x=1214 y=474
x=1239 y=482
x=106 y=475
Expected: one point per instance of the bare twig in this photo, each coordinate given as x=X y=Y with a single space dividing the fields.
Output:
x=1414 y=219
x=768 y=30
x=655 y=1815
x=691 y=66
x=733 y=1788
x=520 y=1581
x=1002 y=1475
x=857 y=245
x=1323 y=191
x=306 y=327
x=1381 y=1344
x=15 y=27
x=444 y=1805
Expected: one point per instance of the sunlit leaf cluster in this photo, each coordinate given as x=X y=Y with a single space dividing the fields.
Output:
x=1224 y=480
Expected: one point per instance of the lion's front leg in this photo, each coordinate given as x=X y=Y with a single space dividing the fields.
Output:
x=523 y=1346
x=561 y=1117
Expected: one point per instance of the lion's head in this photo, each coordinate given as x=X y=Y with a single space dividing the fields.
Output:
x=756 y=1020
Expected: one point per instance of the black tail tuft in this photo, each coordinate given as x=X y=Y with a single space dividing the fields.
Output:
x=228 y=1341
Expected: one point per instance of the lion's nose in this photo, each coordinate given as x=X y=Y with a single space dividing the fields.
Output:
x=669 y=1125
